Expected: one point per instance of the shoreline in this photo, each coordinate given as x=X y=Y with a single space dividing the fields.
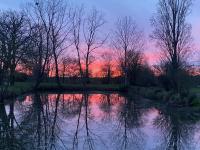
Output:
x=22 y=88
x=153 y=93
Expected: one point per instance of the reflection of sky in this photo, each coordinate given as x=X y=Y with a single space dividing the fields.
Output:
x=140 y=10
x=106 y=128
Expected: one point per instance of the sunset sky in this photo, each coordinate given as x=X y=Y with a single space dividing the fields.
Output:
x=140 y=10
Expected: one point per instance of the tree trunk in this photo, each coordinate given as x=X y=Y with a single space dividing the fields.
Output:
x=87 y=74
x=87 y=69
x=126 y=69
x=57 y=70
x=12 y=76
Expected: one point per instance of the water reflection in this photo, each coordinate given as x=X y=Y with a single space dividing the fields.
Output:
x=178 y=127
x=128 y=133
x=7 y=136
x=95 y=121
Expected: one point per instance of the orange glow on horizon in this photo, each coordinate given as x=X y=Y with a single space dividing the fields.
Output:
x=150 y=57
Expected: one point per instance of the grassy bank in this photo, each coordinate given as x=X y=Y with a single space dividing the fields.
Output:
x=154 y=93
x=80 y=87
x=24 y=87
x=196 y=91
x=168 y=97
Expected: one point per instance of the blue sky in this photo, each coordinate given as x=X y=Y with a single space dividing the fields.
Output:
x=140 y=10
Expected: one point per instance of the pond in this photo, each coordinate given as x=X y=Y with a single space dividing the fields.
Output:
x=95 y=121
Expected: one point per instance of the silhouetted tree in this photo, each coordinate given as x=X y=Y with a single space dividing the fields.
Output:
x=14 y=40
x=134 y=65
x=173 y=35
x=107 y=66
x=69 y=67
x=41 y=21
x=54 y=16
x=85 y=37
x=127 y=38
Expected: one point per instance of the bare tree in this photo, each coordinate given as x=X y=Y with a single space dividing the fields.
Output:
x=37 y=56
x=134 y=65
x=91 y=28
x=86 y=37
x=41 y=46
x=107 y=68
x=59 y=30
x=51 y=20
x=14 y=40
x=69 y=67
x=127 y=37
x=77 y=19
x=54 y=16
x=172 y=33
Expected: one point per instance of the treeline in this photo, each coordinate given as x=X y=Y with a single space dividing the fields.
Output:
x=54 y=39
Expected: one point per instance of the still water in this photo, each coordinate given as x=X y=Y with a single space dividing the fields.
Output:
x=95 y=121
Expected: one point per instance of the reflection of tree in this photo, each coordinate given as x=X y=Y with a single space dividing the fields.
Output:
x=70 y=105
x=83 y=134
x=176 y=125
x=37 y=123
x=75 y=139
x=88 y=139
x=106 y=106
x=128 y=134
x=40 y=123
x=53 y=134
x=8 y=138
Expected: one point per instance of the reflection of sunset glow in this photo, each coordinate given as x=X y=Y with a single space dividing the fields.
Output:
x=93 y=98
x=92 y=115
x=95 y=101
